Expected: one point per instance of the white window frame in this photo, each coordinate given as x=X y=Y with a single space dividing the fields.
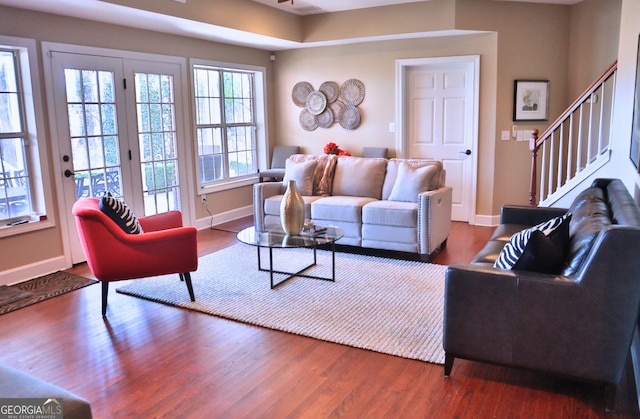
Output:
x=41 y=194
x=262 y=143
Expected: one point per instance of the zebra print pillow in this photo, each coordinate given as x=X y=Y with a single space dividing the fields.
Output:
x=515 y=248
x=121 y=214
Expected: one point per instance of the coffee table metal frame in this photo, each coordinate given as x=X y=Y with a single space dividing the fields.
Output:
x=272 y=237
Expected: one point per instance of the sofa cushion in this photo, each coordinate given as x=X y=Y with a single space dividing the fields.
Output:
x=272 y=205
x=411 y=181
x=393 y=166
x=377 y=236
x=391 y=213
x=530 y=250
x=302 y=173
x=339 y=208
x=323 y=175
x=489 y=253
x=495 y=244
x=590 y=215
x=357 y=176
x=504 y=232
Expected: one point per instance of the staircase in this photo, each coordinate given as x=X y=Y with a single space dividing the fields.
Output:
x=575 y=145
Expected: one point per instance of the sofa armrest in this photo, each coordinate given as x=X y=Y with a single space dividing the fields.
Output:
x=482 y=311
x=434 y=219
x=479 y=312
x=513 y=214
x=262 y=191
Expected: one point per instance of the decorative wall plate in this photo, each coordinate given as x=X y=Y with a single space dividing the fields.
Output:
x=308 y=120
x=331 y=90
x=325 y=119
x=349 y=117
x=316 y=102
x=300 y=92
x=336 y=107
x=352 y=92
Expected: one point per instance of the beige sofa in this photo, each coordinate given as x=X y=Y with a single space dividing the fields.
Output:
x=400 y=205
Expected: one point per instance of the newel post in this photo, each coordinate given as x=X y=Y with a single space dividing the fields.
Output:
x=534 y=153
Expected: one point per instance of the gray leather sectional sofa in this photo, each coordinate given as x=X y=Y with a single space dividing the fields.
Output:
x=576 y=322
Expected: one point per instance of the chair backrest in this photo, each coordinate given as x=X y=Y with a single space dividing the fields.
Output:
x=375 y=152
x=281 y=153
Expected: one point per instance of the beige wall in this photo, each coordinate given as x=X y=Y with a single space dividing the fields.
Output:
x=528 y=42
x=375 y=65
x=593 y=42
x=36 y=247
x=521 y=41
x=244 y=15
x=533 y=41
x=620 y=165
x=428 y=16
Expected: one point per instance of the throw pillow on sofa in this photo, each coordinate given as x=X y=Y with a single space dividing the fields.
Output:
x=323 y=176
x=541 y=248
x=120 y=213
x=358 y=176
x=411 y=181
x=302 y=173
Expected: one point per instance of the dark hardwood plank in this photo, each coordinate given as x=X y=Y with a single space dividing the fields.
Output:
x=150 y=360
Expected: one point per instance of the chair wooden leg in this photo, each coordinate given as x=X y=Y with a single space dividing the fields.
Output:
x=105 y=292
x=448 y=364
x=187 y=278
x=181 y=276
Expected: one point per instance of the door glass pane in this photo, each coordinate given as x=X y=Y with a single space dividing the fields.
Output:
x=158 y=142
x=93 y=128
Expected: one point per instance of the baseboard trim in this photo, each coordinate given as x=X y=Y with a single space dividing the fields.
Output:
x=487 y=220
x=34 y=270
x=223 y=217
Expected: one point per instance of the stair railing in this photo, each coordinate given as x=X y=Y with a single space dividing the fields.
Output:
x=577 y=142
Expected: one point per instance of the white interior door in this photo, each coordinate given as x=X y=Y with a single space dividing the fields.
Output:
x=440 y=122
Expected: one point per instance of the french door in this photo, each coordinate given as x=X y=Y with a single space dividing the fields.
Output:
x=117 y=123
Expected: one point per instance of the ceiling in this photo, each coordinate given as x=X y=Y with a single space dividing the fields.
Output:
x=108 y=12
x=308 y=7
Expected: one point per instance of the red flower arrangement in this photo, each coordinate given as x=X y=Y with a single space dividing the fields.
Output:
x=332 y=148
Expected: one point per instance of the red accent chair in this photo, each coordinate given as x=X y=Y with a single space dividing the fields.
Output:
x=165 y=246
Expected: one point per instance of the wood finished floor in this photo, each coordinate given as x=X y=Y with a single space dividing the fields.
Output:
x=150 y=360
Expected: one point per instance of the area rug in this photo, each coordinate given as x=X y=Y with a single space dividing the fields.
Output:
x=384 y=305
x=39 y=289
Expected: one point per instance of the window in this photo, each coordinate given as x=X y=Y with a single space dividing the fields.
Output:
x=21 y=190
x=228 y=117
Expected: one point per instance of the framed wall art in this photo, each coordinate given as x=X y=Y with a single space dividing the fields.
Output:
x=531 y=100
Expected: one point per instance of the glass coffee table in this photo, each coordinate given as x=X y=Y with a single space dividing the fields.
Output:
x=273 y=237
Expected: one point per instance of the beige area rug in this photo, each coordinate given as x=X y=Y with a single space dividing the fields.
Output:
x=384 y=305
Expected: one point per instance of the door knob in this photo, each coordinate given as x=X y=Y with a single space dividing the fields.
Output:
x=467 y=152
x=68 y=173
